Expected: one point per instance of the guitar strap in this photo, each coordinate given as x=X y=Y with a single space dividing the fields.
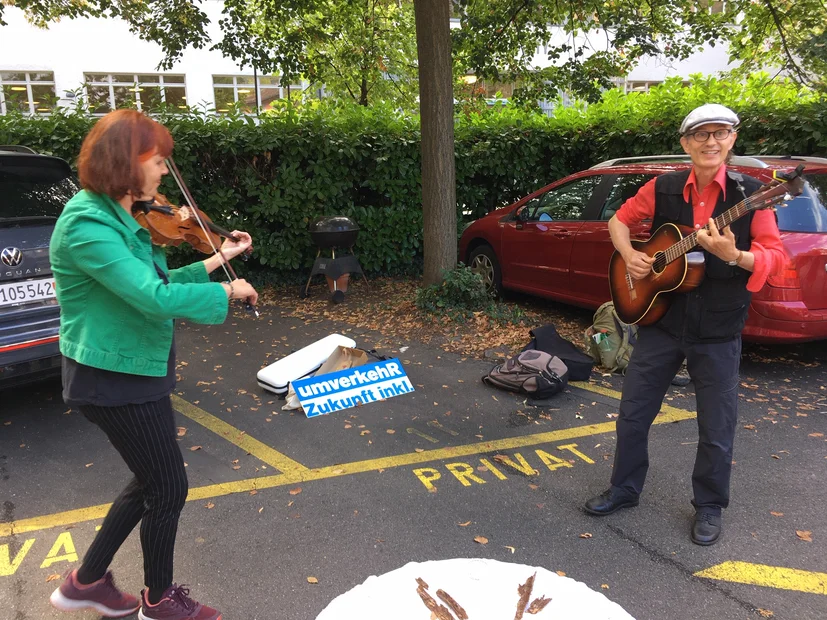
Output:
x=738 y=178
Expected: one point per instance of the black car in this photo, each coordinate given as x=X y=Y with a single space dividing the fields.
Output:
x=33 y=190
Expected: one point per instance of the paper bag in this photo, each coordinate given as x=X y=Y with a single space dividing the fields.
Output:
x=341 y=359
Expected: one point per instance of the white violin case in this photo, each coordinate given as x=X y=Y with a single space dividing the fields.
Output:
x=300 y=364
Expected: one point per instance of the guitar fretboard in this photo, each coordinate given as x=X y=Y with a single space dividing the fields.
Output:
x=690 y=241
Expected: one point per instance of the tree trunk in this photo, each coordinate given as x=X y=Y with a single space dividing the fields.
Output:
x=436 y=104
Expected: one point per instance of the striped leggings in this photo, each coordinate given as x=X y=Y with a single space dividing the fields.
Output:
x=144 y=435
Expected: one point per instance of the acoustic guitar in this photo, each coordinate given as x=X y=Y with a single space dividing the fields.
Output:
x=645 y=301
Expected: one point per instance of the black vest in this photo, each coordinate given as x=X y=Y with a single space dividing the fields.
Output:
x=717 y=310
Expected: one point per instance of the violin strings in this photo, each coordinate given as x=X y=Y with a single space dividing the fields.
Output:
x=186 y=194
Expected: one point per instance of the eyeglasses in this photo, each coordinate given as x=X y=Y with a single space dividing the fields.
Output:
x=718 y=134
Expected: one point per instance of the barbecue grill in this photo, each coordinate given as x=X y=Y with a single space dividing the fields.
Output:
x=330 y=233
x=336 y=231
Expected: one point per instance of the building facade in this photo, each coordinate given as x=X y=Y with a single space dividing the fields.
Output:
x=111 y=67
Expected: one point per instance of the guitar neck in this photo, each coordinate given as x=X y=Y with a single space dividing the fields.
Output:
x=690 y=241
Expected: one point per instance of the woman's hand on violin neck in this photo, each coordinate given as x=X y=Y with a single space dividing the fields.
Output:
x=241 y=289
x=230 y=249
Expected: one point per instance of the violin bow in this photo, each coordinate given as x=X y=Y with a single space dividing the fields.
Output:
x=225 y=263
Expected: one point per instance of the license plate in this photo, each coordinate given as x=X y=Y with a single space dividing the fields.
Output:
x=24 y=292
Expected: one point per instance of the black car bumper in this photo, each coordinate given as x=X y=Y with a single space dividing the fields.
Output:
x=30 y=363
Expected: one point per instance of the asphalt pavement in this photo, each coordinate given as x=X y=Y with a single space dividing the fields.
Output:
x=454 y=469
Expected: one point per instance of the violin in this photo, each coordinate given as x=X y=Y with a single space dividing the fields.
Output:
x=171 y=225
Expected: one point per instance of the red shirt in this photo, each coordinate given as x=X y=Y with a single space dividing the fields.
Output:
x=766 y=244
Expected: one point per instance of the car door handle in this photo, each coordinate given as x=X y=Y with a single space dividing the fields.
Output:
x=562 y=234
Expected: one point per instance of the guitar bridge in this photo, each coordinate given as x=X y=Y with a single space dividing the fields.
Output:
x=631 y=284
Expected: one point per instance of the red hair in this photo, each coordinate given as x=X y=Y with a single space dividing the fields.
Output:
x=111 y=155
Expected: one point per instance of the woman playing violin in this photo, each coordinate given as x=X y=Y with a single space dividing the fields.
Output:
x=118 y=305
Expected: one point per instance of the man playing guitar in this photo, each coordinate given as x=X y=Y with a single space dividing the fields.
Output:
x=702 y=326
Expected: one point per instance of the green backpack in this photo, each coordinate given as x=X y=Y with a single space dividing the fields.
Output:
x=609 y=340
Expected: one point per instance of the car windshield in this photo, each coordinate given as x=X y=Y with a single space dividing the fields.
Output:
x=31 y=186
x=807 y=212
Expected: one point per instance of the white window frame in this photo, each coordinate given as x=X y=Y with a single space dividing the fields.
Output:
x=136 y=86
x=235 y=86
x=28 y=82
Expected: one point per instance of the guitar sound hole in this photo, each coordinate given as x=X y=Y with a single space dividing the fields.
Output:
x=660 y=263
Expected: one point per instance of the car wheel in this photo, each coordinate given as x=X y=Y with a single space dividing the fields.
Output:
x=484 y=262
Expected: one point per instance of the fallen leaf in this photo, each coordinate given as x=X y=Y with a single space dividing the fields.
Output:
x=312 y=580
x=816 y=435
x=766 y=613
x=236 y=467
x=533 y=487
x=466 y=524
x=390 y=431
x=365 y=433
x=509 y=548
x=209 y=505
x=481 y=540
x=253 y=492
x=776 y=514
x=775 y=456
x=182 y=431
x=804 y=535
x=52 y=577
x=295 y=491
x=561 y=573
x=89 y=464
x=605 y=586
x=419 y=449
x=194 y=448
x=260 y=510
x=750 y=427
x=586 y=535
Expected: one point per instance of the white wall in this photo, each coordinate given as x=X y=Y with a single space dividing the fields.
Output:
x=710 y=61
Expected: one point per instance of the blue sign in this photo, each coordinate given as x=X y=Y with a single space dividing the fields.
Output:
x=352 y=387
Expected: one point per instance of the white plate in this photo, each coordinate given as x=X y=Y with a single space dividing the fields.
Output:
x=15 y=293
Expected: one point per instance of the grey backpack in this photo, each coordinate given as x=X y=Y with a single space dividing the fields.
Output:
x=532 y=373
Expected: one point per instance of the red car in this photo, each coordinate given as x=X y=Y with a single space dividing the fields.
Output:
x=555 y=242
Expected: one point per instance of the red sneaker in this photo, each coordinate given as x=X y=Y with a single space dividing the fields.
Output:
x=176 y=604
x=102 y=596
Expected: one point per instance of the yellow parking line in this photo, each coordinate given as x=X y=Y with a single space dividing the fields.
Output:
x=672 y=414
x=241 y=439
x=768 y=576
x=299 y=473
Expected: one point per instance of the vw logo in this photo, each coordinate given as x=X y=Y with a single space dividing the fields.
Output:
x=11 y=257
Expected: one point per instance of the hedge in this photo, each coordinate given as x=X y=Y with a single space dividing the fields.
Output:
x=273 y=176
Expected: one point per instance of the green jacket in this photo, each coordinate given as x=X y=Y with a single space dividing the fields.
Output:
x=116 y=313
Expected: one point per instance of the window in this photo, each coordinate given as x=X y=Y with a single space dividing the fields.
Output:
x=625 y=187
x=240 y=90
x=30 y=92
x=807 y=212
x=713 y=6
x=34 y=186
x=497 y=90
x=562 y=203
x=147 y=92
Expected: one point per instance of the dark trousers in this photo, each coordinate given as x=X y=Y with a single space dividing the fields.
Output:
x=714 y=370
x=144 y=435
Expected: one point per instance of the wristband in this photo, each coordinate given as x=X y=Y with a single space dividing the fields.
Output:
x=232 y=290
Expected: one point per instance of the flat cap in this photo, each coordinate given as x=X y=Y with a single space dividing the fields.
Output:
x=709 y=113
